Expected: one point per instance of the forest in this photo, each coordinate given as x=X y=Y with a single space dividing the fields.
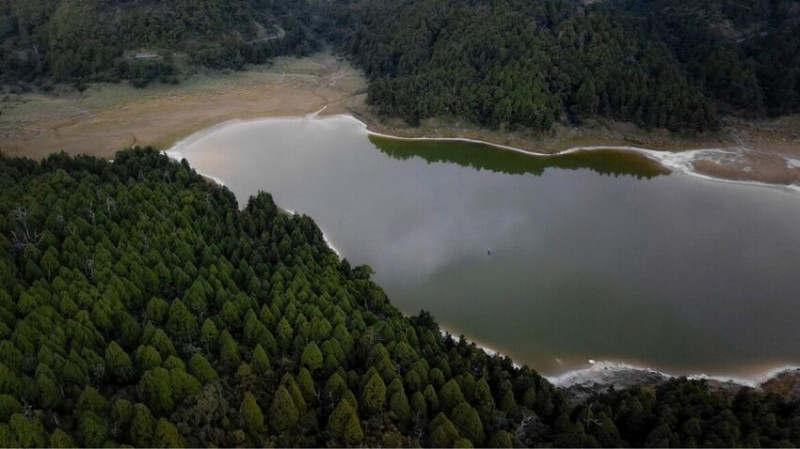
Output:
x=141 y=306
x=79 y=41
x=681 y=65
x=504 y=64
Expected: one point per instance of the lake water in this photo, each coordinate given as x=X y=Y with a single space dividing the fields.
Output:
x=551 y=260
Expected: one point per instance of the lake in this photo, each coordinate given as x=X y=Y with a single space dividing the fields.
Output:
x=553 y=261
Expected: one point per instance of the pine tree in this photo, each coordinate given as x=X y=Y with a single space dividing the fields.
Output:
x=118 y=363
x=374 y=394
x=251 y=415
x=142 y=426
x=468 y=423
x=167 y=435
x=352 y=432
x=283 y=412
x=338 y=419
x=312 y=357
x=260 y=362
x=450 y=395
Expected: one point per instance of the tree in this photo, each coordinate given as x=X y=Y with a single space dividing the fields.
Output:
x=398 y=404
x=59 y=438
x=91 y=400
x=312 y=357
x=167 y=435
x=502 y=439
x=142 y=426
x=374 y=394
x=147 y=358
x=450 y=395
x=229 y=352
x=28 y=432
x=201 y=368
x=8 y=406
x=306 y=385
x=9 y=382
x=260 y=362
x=443 y=433
x=468 y=423
x=209 y=335
x=93 y=429
x=338 y=419
x=183 y=385
x=285 y=333
x=181 y=324
x=118 y=364
x=283 y=412
x=156 y=389
x=251 y=415
x=352 y=432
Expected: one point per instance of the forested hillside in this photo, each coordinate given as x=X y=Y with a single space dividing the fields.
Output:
x=679 y=65
x=93 y=40
x=140 y=306
x=505 y=64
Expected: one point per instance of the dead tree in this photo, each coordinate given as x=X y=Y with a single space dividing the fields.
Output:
x=527 y=423
x=110 y=203
x=24 y=236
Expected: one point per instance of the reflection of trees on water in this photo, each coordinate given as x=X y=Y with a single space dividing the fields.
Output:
x=486 y=157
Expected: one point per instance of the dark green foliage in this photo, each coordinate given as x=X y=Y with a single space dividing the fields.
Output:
x=80 y=41
x=517 y=63
x=312 y=356
x=283 y=412
x=335 y=373
x=251 y=414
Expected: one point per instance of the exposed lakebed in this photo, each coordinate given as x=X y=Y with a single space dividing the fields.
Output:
x=553 y=261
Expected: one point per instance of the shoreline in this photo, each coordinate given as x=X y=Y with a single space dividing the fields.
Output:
x=678 y=161
x=757 y=153
x=106 y=118
x=599 y=375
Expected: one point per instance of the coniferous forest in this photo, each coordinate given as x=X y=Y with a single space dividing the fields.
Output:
x=680 y=65
x=506 y=64
x=139 y=305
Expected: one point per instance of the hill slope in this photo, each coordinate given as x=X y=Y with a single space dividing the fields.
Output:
x=516 y=63
x=140 y=306
x=503 y=64
x=92 y=40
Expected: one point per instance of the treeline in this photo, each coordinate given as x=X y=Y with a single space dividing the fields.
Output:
x=505 y=64
x=140 y=306
x=79 y=41
x=516 y=63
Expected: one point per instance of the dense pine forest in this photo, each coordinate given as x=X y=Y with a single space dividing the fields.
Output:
x=78 y=41
x=680 y=65
x=504 y=64
x=139 y=305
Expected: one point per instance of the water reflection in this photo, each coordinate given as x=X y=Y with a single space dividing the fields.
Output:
x=486 y=157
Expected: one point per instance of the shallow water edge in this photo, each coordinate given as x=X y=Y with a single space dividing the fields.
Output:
x=602 y=372
x=680 y=161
